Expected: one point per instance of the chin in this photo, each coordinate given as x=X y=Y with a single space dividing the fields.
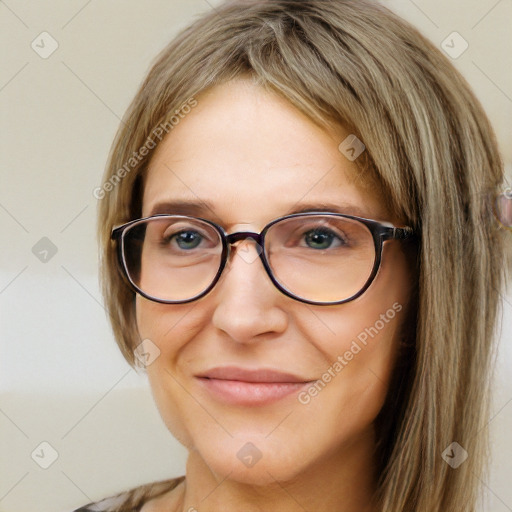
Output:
x=251 y=461
x=263 y=473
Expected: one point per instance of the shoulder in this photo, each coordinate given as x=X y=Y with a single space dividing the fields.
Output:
x=134 y=499
x=106 y=505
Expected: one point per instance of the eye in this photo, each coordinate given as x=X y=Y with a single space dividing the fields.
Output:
x=322 y=238
x=186 y=239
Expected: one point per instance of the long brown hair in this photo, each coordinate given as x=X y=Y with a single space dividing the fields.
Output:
x=432 y=152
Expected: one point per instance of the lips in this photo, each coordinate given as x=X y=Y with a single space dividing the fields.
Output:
x=246 y=375
x=248 y=387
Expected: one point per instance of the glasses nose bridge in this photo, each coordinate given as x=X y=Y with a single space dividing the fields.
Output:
x=241 y=236
x=233 y=238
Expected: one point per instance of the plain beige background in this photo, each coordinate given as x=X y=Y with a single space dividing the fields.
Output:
x=62 y=380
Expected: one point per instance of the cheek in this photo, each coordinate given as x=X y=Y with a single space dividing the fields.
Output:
x=358 y=341
x=359 y=354
x=169 y=327
x=352 y=386
x=359 y=336
x=166 y=329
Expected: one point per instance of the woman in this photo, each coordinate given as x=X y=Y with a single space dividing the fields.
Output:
x=298 y=244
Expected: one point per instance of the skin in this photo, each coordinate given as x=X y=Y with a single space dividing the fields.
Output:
x=254 y=157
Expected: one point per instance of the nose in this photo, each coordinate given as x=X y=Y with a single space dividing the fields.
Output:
x=248 y=306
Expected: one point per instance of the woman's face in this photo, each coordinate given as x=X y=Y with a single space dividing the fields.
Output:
x=242 y=158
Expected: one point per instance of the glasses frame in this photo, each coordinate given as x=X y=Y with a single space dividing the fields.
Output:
x=381 y=232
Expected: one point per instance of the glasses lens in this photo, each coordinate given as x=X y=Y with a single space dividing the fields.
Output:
x=172 y=258
x=320 y=258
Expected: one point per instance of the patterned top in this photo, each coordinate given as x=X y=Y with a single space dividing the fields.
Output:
x=133 y=500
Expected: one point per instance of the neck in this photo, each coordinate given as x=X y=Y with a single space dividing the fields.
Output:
x=342 y=482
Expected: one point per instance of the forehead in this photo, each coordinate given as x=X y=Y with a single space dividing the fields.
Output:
x=252 y=157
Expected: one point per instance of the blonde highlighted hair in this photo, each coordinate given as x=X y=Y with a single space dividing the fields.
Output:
x=432 y=151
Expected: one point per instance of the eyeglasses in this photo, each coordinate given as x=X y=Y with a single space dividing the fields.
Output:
x=317 y=258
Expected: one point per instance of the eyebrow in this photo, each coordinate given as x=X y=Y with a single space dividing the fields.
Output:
x=345 y=208
x=205 y=208
x=182 y=207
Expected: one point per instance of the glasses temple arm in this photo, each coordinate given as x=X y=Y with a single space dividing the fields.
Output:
x=403 y=233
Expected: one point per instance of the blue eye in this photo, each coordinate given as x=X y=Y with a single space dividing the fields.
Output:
x=321 y=238
x=187 y=239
